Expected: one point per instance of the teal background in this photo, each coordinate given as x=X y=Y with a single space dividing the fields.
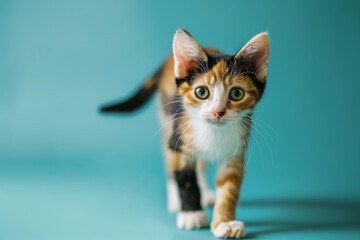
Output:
x=67 y=172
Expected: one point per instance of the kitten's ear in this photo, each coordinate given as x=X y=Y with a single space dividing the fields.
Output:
x=187 y=53
x=255 y=54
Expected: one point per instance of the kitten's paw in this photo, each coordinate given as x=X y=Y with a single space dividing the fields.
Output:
x=231 y=229
x=207 y=198
x=191 y=219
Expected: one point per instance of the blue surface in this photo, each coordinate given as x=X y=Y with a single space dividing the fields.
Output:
x=68 y=173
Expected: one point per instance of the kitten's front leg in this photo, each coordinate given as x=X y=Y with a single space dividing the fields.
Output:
x=228 y=184
x=191 y=215
x=183 y=171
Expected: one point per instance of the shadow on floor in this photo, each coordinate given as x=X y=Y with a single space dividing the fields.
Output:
x=304 y=215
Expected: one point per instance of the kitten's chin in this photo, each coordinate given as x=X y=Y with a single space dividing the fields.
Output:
x=216 y=123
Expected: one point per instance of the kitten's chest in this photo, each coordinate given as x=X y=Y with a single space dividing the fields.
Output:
x=217 y=143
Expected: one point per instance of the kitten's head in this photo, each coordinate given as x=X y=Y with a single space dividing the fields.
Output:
x=220 y=88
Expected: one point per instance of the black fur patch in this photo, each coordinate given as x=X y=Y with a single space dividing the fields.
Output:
x=173 y=107
x=192 y=73
x=244 y=66
x=190 y=78
x=175 y=142
x=189 y=189
x=238 y=66
x=206 y=67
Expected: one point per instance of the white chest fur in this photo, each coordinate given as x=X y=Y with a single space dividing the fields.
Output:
x=217 y=142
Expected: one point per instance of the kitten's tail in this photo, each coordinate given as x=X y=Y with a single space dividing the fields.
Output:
x=138 y=99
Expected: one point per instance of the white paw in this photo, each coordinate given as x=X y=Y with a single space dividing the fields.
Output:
x=173 y=197
x=232 y=229
x=191 y=219
x=207 y=198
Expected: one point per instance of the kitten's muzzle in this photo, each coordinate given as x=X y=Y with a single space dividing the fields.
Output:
x=216 y=121
x=218 y=114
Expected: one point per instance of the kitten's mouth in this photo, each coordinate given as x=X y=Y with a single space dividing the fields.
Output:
x=216 y=122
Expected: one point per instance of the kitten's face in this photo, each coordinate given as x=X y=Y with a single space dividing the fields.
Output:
x=220 y=88
x=220 y=95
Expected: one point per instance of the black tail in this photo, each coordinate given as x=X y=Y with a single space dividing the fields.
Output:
x=138 y=99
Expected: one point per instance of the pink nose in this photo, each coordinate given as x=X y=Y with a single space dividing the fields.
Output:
x=219 y=114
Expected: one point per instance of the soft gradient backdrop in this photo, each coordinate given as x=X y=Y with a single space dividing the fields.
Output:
x=67 y=172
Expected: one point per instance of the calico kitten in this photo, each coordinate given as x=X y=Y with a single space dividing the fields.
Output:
x=206 y=99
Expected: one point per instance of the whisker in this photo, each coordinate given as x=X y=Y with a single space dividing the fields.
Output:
x=176 y=101
x=180 y=125
x=235 y=140
x=266 y=142
x=248 y=142
x=263 y=123
x=166 y=123
x=176 y=144
x=257 y=143
x=262 y=128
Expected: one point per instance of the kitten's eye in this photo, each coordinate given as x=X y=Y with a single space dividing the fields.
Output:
x=202 y=92
x=236 y=94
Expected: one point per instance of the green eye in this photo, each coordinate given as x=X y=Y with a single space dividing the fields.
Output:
x=236 y=94
x=202 y=92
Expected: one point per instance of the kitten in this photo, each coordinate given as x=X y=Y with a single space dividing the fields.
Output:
x=206 y=99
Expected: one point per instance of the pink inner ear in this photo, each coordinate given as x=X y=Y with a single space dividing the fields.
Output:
x=187 y=54
x=184 y=65
x=256 y=52
x=261 y=63
x=262 y=57
x=185 y=60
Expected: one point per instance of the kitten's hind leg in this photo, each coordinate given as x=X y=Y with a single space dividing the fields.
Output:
x=207 y=195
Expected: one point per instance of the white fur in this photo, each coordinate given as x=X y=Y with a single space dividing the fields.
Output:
x=191 y=220
x=216 y=142
x=218 y=100
x=231 y=229
x=173 y=197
